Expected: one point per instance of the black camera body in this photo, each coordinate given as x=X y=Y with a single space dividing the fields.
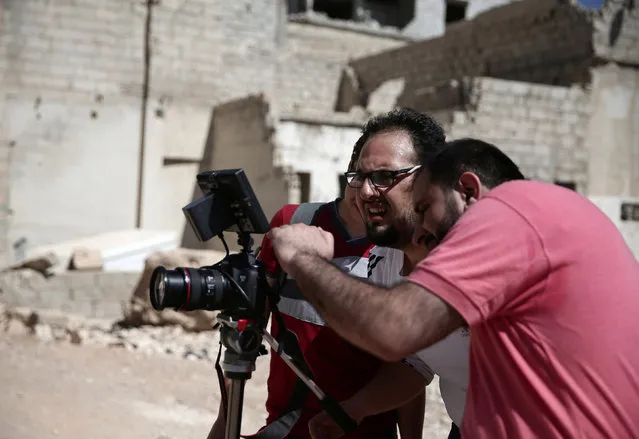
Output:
x=228 y=204
x=236 y=285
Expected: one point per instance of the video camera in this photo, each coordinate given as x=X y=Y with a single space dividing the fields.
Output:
x=237 y=287
x=229 y=204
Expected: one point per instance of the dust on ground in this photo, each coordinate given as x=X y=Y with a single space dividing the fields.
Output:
x=93 y=381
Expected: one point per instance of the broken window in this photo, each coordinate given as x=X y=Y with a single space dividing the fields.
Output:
x=455 y=10
x=305 y=186
x=338 y=9
x=296 y=6
x=395 y=13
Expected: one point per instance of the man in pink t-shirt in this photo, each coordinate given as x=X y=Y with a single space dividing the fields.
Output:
x=543 y=278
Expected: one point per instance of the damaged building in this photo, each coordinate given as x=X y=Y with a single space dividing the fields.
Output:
x=109 y=112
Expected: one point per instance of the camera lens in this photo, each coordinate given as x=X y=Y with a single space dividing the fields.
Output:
x=168 y=288
x=189 y=289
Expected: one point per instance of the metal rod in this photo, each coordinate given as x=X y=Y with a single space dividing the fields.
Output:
x=289 y=361
x=234 y=415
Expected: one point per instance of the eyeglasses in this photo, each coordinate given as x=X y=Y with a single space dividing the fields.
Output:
x=379 y=179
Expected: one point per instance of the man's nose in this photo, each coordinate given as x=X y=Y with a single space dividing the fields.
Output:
x=368 y=191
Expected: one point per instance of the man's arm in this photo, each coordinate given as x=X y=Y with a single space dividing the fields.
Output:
x=389 y=323
x=411 y=417
x=396 y=386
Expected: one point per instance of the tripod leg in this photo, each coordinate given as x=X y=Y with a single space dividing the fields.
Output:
x=234 y=415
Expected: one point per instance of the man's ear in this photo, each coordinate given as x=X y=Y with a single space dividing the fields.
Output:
x=470 y=187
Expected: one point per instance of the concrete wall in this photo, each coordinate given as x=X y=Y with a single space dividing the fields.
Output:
x=540 y=127
x=175 y=146
x=613 y=133
x=71 y=175
x=313 y=54
x=616 y=36
x=321 y=150
x=241 y=137
x=72 y=77
x=212 y=51
x=70 y=117
x=95 y=295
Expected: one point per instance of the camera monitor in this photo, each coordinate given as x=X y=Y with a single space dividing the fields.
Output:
x=228 y=204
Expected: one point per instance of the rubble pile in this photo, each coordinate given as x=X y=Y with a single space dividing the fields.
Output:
x=50 y=326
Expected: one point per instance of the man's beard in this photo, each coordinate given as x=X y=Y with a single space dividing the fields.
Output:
x=451 y=216
x=391 y=236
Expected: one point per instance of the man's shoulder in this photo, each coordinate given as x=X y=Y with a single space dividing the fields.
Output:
x=539 y=203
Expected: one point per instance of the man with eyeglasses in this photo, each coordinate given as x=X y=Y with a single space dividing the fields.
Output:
x=339 y=368
x=392 y=144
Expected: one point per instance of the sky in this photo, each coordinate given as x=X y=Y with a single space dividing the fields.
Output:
x=596 y=4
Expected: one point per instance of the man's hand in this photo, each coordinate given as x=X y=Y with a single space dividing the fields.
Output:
x=292 y=240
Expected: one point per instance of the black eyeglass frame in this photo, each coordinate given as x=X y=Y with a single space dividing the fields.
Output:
x=352 y=175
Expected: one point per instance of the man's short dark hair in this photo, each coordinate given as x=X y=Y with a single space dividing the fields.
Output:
x=488 y=162
x=425 y=132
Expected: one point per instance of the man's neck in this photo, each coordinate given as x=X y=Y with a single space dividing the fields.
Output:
x=354 y=224
x=412 y=256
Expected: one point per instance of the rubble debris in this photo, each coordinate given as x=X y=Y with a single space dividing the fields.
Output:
x=53 y=326
x=42 y=264
x=86 y=259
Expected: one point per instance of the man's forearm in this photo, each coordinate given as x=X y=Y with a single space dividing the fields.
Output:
x=342 y=300
x=388 y=323
x=411 y=417
x=395 y=385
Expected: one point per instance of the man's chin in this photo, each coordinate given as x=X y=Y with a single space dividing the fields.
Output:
x=385 y=238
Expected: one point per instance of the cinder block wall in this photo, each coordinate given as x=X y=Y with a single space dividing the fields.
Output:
x=540 y=127
x=312 y=59
x=72 y=73
x=94 y=295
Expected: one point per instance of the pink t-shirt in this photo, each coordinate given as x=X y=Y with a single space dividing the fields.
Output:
x=550 y=291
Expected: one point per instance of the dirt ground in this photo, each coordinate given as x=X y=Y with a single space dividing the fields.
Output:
x=60 y=390
x=52 y=391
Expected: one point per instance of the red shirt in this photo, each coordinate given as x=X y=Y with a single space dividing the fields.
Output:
x=339 y=368
x=550 y=291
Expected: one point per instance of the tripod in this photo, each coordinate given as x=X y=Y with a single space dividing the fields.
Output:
x=242 y=341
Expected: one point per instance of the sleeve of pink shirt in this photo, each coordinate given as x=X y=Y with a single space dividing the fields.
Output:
x=486 y=264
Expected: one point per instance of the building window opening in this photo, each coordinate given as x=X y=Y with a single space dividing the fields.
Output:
x=455 y=11
x=305 y=186
x=336 y=9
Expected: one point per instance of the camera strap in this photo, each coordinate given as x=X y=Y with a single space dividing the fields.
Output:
x=222 y=383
